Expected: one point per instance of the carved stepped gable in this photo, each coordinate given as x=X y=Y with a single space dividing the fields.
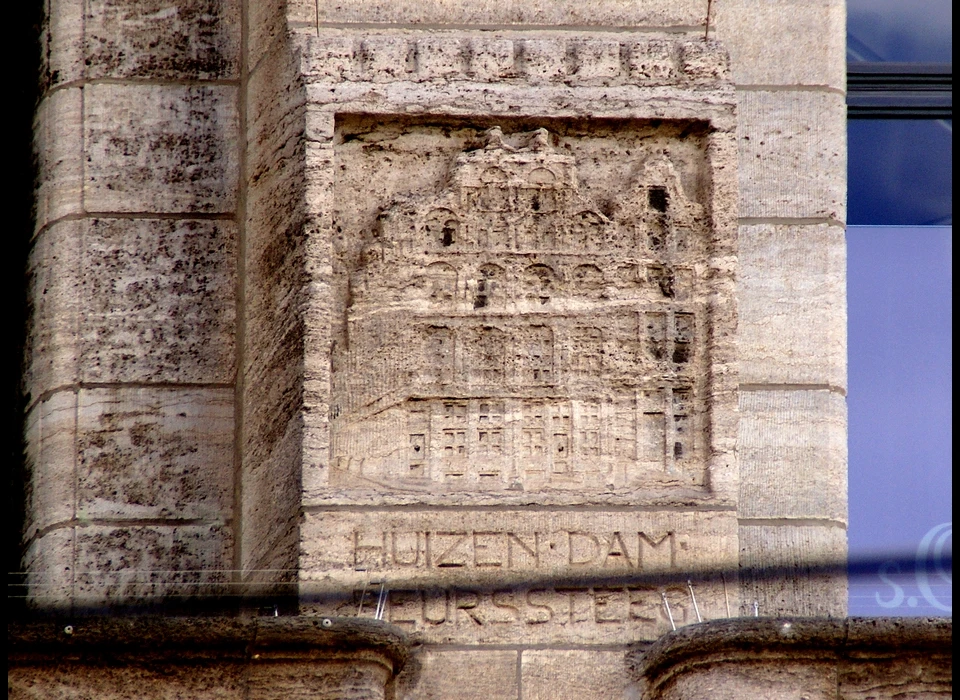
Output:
x=508 y=334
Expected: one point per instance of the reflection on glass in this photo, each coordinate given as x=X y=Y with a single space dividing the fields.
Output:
x=894 y=30
x=900 y=172
x=899 y=282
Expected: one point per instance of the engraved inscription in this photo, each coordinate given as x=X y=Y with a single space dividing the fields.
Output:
x=509 y=333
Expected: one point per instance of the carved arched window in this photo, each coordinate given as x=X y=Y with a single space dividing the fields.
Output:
x=442 y=227
x=540 y=283
x=441 y=282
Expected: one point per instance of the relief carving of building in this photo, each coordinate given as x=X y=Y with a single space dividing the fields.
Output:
x=510 y=333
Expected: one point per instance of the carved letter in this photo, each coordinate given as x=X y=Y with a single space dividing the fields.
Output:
x=512 y=538
x=479 y=549
x=590 y=541
x=446 y=557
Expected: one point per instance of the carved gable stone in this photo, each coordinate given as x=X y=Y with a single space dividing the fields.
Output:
x=522 y=296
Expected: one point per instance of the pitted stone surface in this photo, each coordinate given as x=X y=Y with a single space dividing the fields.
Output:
x=154 y=453
x=160 y=148
x=512 y=334
x=520 y=576
x=163 y=39
x=658 y=13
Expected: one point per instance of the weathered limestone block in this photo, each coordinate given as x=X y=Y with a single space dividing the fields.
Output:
x=207 y=658
x=58 y=142
x=792 y=147
x=51 y=430
x=163 y=39
x=788 y=42
x=793 y=455
x=467 y=675
x=50 y=565
x=128 y=300
x=159 y=298
x=510 y=576
x=572 y=675
x=659 y=13
x=792 y=305
x=54 y=303
x=788 y=658
x=155 y=453
x=273 y=297
x=140 y=565
x=160 y=148
x=126 y=682
x=792 y=550
x=61 y=44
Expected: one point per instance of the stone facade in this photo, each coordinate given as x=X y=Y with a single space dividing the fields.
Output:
x=512 y=306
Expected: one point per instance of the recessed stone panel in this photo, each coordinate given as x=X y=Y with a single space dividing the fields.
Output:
x=514 y=320
x=512 y=575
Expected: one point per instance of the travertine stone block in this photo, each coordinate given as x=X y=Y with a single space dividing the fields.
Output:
x=518 y=576
x=163 y=39
x=273 y=308
x=572 y=675
x=127 y=300
x=353 y=679
x=155 y=453
x=465 y=675
x=58 y=142
x=126 y=681
x=787 y=42
x=54 y=300
x=51 y=431
x=159 y=301
x=61 y=43
x=793 y=312
x=792 y=547
x=275 y=118
x=271 y=500
x=745 y=680
x=792 y=147
x=594 y=13
x=786 y=658
x=160 y=148
x=793 y=455
x=139 y=565
x=266 y=29
x=50 y=565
